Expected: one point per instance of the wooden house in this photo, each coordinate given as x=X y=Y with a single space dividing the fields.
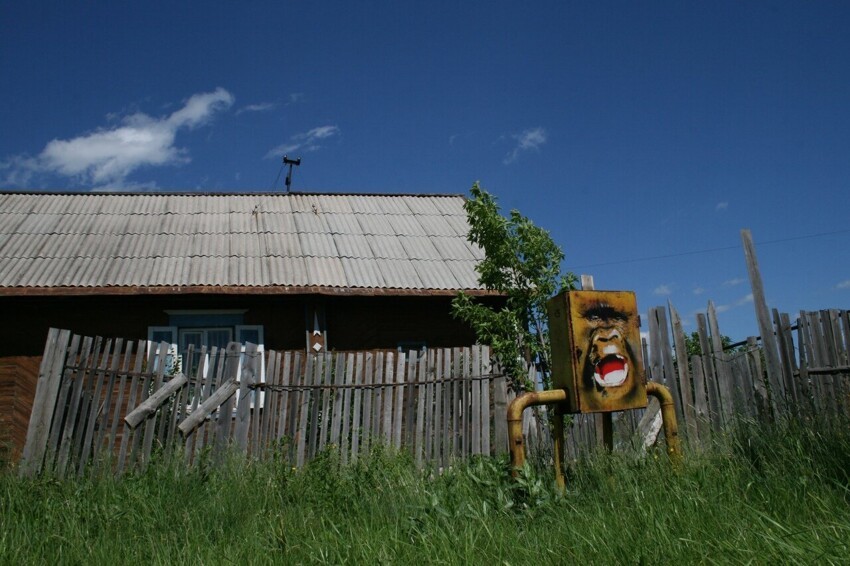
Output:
x=286 y=271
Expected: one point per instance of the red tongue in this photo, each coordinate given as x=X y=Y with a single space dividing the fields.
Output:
x=608 y=365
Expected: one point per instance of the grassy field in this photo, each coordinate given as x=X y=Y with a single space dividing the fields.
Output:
x=770 y=495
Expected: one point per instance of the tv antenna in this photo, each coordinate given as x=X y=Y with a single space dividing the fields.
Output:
x=290 y=162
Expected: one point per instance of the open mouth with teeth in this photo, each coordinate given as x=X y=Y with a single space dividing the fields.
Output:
x=611 y=371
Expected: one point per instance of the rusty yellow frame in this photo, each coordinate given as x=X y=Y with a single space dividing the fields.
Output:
x=559 y=397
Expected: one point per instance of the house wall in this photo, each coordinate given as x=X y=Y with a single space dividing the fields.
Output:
x=18 y=377
x=351 y=323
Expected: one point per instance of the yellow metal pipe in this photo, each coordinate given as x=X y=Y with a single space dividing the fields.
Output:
x=515 y=410
x=668 y=418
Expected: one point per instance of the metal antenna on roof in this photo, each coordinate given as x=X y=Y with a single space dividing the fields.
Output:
x=290 y=162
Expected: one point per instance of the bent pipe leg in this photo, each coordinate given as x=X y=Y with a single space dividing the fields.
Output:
x=515 y=410
x=668 y=419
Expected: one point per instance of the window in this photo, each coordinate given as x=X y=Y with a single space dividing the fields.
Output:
x=409 y=345
x=210 y=329
x=203 y=328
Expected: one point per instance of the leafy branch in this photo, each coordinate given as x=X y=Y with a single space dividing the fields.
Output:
x=523 y=264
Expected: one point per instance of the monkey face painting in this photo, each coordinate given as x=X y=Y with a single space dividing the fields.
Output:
x=597 y=355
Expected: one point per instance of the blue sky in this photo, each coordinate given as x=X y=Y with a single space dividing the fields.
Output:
x=630 y=130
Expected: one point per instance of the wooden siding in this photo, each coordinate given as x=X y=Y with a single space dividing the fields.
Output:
x=18 y=377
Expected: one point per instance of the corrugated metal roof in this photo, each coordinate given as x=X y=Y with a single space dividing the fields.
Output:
x=395 y=242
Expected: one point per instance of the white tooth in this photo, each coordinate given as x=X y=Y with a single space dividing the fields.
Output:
x=610 y=350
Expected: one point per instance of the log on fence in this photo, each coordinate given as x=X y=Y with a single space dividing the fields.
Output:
x=221 y=395
x=153 y=402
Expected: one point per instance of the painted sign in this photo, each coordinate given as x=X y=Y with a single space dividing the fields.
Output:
x=596 y=354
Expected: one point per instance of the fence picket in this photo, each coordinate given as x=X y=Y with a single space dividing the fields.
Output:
x=389 y=392
x=368 y=394
x=398 y=416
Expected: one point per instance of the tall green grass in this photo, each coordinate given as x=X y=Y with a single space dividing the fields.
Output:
x=767 y=494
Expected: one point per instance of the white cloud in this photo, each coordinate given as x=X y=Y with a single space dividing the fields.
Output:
x=295 y=97
x=261 y=107
x=698 y=291
x=843 y=285
x=200 y=108
x=305 y=141
x=662 y=290
x=721 y=206
x=108 y=156
x=746 y=299
x=526 y=141
x=734 y=282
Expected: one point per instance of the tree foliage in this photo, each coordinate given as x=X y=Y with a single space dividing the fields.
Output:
x=523 y=264
x=693 y=346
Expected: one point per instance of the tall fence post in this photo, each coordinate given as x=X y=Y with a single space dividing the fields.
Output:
x=771 y=350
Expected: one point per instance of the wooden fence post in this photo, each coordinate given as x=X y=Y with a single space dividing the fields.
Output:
x=47 y=389
x=771 y=351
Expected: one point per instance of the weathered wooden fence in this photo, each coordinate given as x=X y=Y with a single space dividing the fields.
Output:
x=720 y=386
x=109 y=404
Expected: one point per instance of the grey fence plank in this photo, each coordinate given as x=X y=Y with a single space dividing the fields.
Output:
x=258 y=397
x=298 y=379
x=475 y=386
x=224 y=424
x=771 y=352
x=466 y=403
x=326 y=400
x=88 y=414
x=72 y=417
x=150 y=425
x=389 y=392
x=701 y=401
x=428 y=445
x=722 y=370
x=205 y=433
x=119 y=399
x=346 y=408
x=60 y=412
x=339 y=379
x=368 y=395
x=315 y=404
x=709 y=374
x=378 y=402
x=302 y=421
x=437 y=429
x=131 y=404
x=103 y=412
x=398 y=415
x=421 y=376
x=786 y=356
x=283 y=430
x=197 y=385
x=47 y=389
x=685 y=389
x=247 y=379
x=500 y=413
x=447 y=432
x=410 y=400
x=269 y=408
